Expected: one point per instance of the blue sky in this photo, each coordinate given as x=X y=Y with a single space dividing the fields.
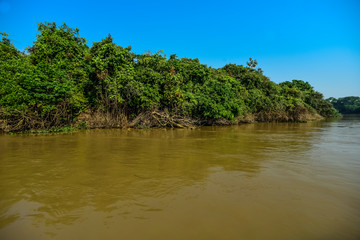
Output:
x=315 y=41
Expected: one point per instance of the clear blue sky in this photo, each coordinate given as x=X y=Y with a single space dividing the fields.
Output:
x=315 y=41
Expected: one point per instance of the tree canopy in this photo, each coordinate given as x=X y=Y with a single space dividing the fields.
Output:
x=346 y=105
x=62 y=81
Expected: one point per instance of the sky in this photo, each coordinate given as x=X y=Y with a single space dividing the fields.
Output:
x=310 y=40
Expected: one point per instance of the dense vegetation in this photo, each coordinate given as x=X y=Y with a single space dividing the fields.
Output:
x=346 y=105
x=64 y=82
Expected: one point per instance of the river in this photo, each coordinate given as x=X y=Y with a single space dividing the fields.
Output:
x=252 y=181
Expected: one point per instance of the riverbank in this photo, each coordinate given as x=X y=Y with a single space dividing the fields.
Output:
x=156 y=119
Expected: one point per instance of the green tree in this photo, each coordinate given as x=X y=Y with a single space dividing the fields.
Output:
x=58 y=55
x=304 y=91
x=112 y=68
x=346 y=105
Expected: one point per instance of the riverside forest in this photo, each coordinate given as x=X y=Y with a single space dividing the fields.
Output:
x=346 y=105
x=61 y=81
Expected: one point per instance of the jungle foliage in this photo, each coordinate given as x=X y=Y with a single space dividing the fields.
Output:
x=346 y=105
x=62 y=81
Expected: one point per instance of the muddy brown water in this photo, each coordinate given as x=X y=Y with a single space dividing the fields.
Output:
x=253 y=181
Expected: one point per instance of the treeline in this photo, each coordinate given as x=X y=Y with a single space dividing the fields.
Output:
x=346 y=105
x=62 y=81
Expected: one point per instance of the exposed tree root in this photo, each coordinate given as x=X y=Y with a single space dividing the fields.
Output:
x=157 y=118
x=298 y=114
x=25 y=120
x=22 y=121
x=103 y=119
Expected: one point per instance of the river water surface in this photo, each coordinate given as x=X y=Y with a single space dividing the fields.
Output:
x=253 y=181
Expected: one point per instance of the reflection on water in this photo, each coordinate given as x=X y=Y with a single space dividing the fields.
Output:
x=255 y=181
